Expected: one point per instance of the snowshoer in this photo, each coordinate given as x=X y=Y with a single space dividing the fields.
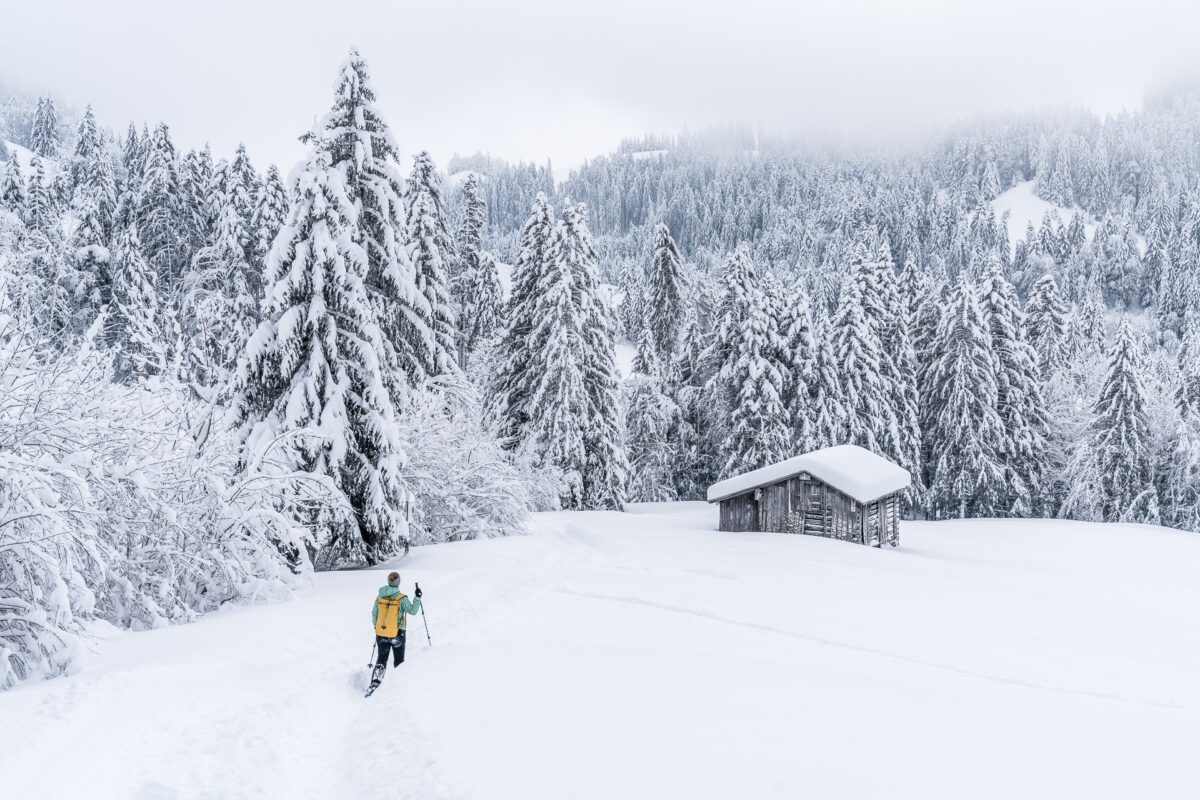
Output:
x=390 y=615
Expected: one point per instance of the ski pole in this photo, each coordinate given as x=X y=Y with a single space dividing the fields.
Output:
x=371 y=663
x=425 y=620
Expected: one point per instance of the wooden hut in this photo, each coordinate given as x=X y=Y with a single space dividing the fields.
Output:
x=842 y=492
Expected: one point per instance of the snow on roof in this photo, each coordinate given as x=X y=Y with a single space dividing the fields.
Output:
x=848 y=468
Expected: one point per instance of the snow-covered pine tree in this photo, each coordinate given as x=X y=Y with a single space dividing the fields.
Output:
x=432 y=252
x=651 y=418
x=1117 y=454
x=40 y=212
x=740 y=285
x=432 y=282
x=826 y=410
x=96 y=189
x=697 y=464
x=221 y=303
x=665 y=288
x=645 y=358
x=45 y=138
x=131 y=158
x=870 y=420
x=270 y=212
x=360 y=144
x=632 y=309
x=88 y=146
x=558 y=404
x=93 y=207
x=242 y=188
x=158 y=219
x=133 y=313
x=898 y=364
x=518 y=372
x=12 y=188
x=758 y=432
x=484 y=303
x=1018 y=395
x=1046 y=323
x=313 y=371
x=966 y=432
x=797 y=359
x=1181 y=495
x=606 y=475
x=470 y=241
x=196 y=198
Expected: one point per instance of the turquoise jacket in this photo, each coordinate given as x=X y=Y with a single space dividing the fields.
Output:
x=407 y=606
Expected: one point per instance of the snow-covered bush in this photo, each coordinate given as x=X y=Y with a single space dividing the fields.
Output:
x=120 y=503
x=464 y=485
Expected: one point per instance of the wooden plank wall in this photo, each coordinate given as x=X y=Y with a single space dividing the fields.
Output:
x=805 y=505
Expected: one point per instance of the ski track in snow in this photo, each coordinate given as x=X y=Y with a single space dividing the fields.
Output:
x=707 y=615
x=645 y=655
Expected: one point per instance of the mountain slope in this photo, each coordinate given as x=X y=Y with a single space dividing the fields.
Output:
x=647 y=655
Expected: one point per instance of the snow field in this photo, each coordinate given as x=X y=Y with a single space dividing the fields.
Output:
x=645 y=655
x=1025 y=207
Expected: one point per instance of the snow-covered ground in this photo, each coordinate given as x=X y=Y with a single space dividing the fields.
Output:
x=645 y=655
x=1025 y=207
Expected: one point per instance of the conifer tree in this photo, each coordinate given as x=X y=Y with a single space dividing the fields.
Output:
x=870 y=419
x=558 y=403
x=632 y=309
x=360 y=144
x=1181 y=489
x=270 y=212
x=645 y=358
x=157 y=212
x=40 y=212
x=428 y=260
x=797 y=362
x=1046 y=322
x=470 y=240
x=1120 y=437
x=966 y=432
x=758 y=426
x=606 y=476
x=651 y=418
x=1018 y=396
x=134 y=312
x=484 y=299
x=12 y=188
x=131 y=157
x=221 y=302
x=740 y=282
x=664 y=293
x=95 y=199
x=196 y=198
x=313 y=369
x=88 y=146
x=45 y=138
x=518 y=373
x=898 y=364
x=93 y=207
x=242 y=188
x=827 y=412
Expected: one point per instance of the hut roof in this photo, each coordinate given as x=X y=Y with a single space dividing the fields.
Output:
x=848 y=468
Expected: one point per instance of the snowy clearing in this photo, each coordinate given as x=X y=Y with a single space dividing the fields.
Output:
x=1027 y=208
x=645 y=655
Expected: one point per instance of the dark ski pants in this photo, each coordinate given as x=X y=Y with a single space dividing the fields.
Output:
x=383 y=645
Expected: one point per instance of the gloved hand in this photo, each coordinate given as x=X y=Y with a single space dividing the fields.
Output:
x=418 y=591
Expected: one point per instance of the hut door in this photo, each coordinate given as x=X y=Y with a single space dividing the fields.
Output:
x=872 y=524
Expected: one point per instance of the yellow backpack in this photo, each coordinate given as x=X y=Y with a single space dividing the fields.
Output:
x=390 y=617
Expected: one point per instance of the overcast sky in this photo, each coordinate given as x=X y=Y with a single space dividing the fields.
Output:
x=566 y=80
